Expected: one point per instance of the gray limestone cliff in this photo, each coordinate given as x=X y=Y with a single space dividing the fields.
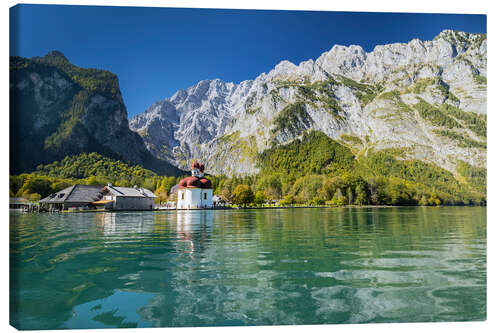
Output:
x=58 y=109
x=427 y=98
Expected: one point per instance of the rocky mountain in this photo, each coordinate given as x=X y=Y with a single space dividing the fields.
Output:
x=424 y=99
x=58 y=109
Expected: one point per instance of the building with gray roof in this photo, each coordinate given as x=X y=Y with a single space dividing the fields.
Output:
x=108 y=197
x=74 y=196
x=128 y=198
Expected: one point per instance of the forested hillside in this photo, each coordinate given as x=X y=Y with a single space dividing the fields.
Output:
x=58 y=109
x=311 y=170
x=89 y=169
x=315 y=169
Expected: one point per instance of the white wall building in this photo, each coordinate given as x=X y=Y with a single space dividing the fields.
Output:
x=195 y=192
x=128 y=198
x=189 y=198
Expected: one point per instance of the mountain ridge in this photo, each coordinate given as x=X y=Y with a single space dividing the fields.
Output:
x=395 y=90
x=59 y=109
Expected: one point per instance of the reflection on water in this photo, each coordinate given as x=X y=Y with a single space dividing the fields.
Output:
x=103 y=313
x=126 y=224
x=193 y=229
x=247 y=267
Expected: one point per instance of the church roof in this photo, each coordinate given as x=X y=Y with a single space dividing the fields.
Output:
x=195 y=182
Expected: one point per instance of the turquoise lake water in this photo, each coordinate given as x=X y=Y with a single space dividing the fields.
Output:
x=247 y=267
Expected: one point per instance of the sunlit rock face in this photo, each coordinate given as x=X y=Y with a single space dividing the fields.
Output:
x=376 y=96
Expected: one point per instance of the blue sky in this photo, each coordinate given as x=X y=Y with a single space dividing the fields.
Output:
x=157 y=51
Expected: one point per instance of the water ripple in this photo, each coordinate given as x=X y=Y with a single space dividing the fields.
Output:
x=247 y=267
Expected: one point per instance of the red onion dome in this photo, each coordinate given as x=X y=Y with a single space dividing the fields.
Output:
x=195 y=165
x=205 y=183
x=190 y=182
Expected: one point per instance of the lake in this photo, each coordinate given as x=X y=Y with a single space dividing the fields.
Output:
x=247 y=267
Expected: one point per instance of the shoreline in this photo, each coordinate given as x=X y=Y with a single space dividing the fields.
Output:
x=236 y=208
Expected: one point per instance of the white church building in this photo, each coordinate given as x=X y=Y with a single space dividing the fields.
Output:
x=195 y=192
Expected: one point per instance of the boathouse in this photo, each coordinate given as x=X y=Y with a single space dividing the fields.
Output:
x=71 y=197
x=195 y=192
x=126 y=198
x=18 y=203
